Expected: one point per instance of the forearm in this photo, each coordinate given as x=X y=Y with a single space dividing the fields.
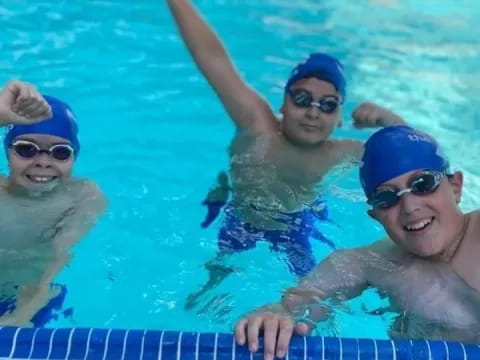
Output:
x=202 y=42
x=340 y=276
x=391 y=119
x=30 y=299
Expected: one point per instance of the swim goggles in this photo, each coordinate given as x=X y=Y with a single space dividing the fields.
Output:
x=28 y=150
x=423 y=183
x=304 y=99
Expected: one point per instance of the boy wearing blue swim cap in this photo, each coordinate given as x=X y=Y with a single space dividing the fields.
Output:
x=44 y=211
x=276 y=163
x=427 y=265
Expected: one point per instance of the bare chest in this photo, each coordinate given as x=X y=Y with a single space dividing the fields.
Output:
x=25 y=224
x=434 y=293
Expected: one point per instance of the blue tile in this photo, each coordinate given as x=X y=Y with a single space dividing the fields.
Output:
x=473 y=351
x=116 y=344
x=332 y=348
x=134 y=344
x=206 y=345
x=420 y=350
x=224 y=346
x=455 y=351
x=403 y=349
x=24 y=343
x=98 y=339
x=242 y=352
x=350 y=348
x=188 y=345
x=41 y=345
x=438 y=349
x=367 y=349
x=297 y=347
x=79 y=344
x=60 y=344
x=385 y=349
x=6 y=340
x=170 y=345
x=151 y=346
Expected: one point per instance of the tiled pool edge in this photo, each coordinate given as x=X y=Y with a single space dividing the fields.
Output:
x=115 y=344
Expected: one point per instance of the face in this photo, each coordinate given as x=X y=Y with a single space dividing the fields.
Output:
x=40 y=173
x=425 y=225
x=309 y=126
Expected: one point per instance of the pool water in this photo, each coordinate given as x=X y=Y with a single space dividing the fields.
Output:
x=154 y=135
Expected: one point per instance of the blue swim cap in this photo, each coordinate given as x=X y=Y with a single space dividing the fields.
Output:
x=321 y=66
x=396 y=150
x=61 y=124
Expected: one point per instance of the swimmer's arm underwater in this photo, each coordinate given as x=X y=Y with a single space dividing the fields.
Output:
x=73 y=227
x=216 y=198
x=245 y=106
x=342 y=275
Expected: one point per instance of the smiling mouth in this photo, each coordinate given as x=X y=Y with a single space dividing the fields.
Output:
x=420 y=225
x=310 y=127
x=41 y=179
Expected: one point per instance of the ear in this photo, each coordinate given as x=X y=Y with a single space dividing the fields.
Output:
x=456 y=182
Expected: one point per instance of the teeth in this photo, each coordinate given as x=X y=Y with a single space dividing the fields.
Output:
x=41 y=179
x=418 y=226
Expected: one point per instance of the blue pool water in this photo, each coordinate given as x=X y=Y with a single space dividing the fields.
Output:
x=154 y=135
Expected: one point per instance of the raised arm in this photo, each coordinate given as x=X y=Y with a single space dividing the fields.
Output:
x=245 y=106
x=21 y=103
x=301 y=307
x=367 y=115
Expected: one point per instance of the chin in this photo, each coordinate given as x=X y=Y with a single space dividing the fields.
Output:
x=426 y=252
x=38 y=189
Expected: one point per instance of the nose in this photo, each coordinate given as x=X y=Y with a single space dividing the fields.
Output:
x=409 y=203
x=313 y=112
x=43 y=160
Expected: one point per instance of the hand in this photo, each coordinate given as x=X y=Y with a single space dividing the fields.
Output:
x=371 y=115
x=278 y=327
x=21 y=103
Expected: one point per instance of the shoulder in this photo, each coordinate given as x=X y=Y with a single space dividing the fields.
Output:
x=87 y=192
x=83 y=186
x=347 y=149
x=474 y=220
x=385 y=251
x=474 y=216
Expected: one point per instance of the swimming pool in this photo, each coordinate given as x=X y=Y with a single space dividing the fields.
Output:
x=154 y=135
